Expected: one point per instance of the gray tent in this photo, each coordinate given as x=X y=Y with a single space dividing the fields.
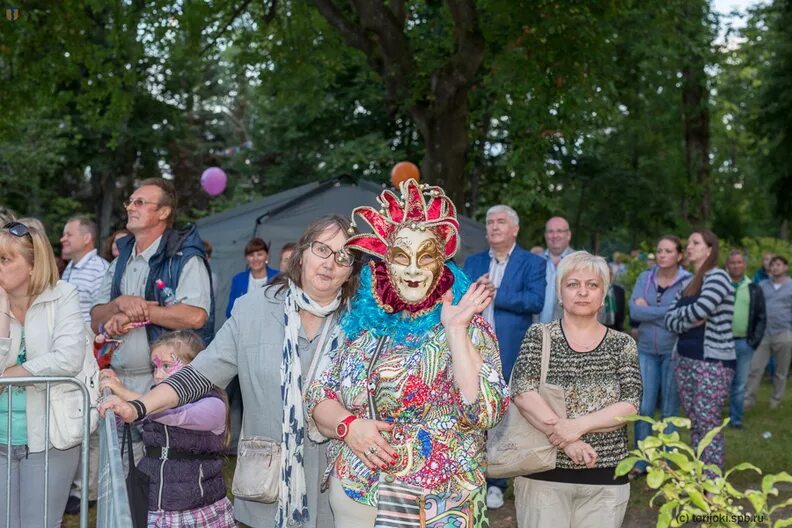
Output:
x=282 y=217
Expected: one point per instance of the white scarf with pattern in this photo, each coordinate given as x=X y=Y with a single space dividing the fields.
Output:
x=293 y=500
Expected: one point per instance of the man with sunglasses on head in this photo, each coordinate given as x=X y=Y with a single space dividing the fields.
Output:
x=133 y=302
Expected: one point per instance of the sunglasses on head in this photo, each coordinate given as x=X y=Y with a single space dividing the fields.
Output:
x=17 y=229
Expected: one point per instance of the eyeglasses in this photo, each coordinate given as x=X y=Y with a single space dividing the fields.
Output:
x=18 y=229
x=342 y=256
x=138 y=203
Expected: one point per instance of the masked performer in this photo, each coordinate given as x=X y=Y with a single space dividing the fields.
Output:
x=409 y=396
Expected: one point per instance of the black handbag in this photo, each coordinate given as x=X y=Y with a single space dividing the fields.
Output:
x=137 y=484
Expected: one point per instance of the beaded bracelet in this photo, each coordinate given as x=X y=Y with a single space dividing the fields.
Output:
x=139 y=407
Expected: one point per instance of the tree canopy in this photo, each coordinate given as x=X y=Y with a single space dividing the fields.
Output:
x=629 y=118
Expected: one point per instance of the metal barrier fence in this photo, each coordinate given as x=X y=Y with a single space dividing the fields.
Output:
x=112 y=507
x=48 y=381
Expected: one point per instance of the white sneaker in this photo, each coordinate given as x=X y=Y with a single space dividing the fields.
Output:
x=494 y=498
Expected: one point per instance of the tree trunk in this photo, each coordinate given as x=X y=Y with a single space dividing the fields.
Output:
x=446 y=139
x=378 y=29
x=696 y=115
x=103 y=185
x=697 y=138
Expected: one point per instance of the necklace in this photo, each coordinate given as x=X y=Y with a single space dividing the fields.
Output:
x=578 y=345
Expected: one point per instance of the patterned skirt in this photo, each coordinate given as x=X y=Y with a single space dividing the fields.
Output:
x=217 y=515
x=449 y=512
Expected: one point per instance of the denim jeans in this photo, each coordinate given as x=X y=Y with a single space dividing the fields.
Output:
x=659 y=384
x=737 y=394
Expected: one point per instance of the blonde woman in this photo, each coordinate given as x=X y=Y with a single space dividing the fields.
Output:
x=598 y=369
x=41 y=334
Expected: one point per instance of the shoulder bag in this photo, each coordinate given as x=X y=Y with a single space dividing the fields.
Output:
x=66 y=412
x=515 y=447
x=257 y=476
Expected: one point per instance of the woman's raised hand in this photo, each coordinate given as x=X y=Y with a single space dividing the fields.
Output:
x=366 y=441
x=475 y=301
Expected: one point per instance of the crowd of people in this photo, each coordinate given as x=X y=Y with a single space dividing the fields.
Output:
x=390 y=362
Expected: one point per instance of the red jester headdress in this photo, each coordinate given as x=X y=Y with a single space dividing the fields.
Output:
x=420 y=207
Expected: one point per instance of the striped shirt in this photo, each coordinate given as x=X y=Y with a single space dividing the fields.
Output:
x=715 y=306
x=86 y=275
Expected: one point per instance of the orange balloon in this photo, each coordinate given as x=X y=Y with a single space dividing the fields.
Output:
x=403 y=171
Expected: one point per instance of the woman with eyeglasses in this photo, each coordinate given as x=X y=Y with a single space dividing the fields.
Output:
x=41 y=334
x=270 y=341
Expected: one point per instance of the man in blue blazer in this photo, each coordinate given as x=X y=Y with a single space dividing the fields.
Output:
x=517 y=279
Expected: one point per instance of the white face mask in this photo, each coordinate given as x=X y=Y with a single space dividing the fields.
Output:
x=414 y=263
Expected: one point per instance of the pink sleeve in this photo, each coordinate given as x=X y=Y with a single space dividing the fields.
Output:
x=206 y=414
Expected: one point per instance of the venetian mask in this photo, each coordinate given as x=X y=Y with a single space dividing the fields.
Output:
x=415 y=262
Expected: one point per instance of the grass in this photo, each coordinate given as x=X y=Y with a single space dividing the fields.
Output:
x=772 y=455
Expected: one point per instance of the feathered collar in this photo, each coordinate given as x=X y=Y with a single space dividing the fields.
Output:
x=367 y=311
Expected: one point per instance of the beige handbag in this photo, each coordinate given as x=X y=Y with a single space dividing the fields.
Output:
x=258 y=469
x=514 y=446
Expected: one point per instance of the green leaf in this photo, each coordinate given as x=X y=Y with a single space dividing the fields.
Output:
x=757 y=499
x=697 y=498
x=655 y=477
x=660 y=493
x=626 y=465
x=783 y=523
x=734 y=492
x=711 y=434
x=769 y=481
x=678 y=421
x=780 y=505
x=649 y=442
x=636 y=418
x=666 y=514
x=743 y=467
x=681 y=461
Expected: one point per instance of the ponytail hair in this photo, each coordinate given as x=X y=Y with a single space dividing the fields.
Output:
x=711 y=239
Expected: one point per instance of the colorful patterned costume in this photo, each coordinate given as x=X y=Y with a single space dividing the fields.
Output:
x=439 y=437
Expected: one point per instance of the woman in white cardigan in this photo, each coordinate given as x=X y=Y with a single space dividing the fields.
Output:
x=41 y=334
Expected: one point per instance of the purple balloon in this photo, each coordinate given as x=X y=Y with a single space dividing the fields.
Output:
x=213 y=181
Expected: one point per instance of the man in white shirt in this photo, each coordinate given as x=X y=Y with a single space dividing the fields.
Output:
x=86 y=268
x=85 y=271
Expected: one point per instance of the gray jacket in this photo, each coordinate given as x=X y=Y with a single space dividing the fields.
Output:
x=250 y=344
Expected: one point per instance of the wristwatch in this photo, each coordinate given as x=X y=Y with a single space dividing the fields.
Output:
x=342 y=429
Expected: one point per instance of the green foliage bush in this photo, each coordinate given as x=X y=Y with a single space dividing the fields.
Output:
x=690 y=492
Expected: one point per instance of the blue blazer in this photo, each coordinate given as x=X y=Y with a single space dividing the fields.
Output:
x=520 y=296
x=239 y=286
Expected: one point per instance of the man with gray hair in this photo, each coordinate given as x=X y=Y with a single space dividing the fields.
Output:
x=516 y=278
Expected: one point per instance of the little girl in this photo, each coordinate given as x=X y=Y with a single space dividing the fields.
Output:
x=184 y=445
